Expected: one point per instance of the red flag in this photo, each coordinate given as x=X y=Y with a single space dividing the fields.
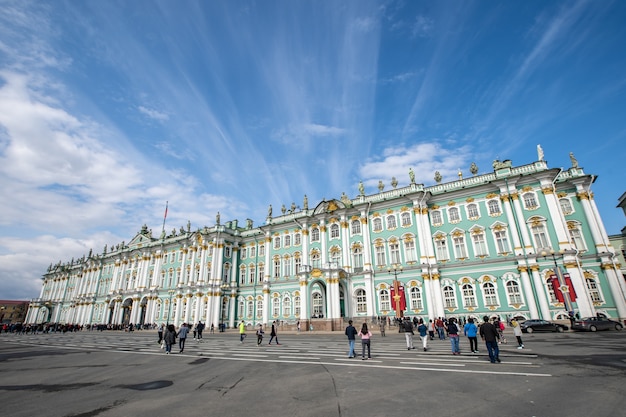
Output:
x=554 y=281
x=399 y=304
x=165 y=216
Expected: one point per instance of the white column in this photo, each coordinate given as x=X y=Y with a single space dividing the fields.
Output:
x=558 y=220
x=324 y=242
x=542 y=295
x=531 y=301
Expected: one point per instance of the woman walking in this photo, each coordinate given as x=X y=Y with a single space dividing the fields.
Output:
x=517 y=332
x=470 y=330
x=453 y=334
x=169 y=338
x=365 y=335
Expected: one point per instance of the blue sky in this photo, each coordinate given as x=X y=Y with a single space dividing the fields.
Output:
x=109 y=109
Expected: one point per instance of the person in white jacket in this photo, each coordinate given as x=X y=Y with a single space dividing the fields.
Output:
x=517 y=332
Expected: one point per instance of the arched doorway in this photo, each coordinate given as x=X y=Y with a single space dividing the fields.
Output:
x=127 y=308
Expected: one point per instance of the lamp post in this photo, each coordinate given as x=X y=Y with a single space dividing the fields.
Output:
x=396 y=269
x=224 y=288
x=169 y=307
x=561 y=280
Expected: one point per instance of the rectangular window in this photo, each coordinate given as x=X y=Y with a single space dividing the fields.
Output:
x=459 y=247
x=479 y=244
x=442 y=250
x=394 y=250
x=502 y=241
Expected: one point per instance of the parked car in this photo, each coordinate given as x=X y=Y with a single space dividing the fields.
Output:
x=530 y=326
x=593 y=324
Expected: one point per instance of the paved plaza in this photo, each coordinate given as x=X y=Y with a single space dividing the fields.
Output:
x=114 y=373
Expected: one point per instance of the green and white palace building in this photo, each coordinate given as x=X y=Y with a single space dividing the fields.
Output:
x=519 y=241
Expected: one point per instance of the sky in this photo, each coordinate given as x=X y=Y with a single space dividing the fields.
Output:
x=109 y=110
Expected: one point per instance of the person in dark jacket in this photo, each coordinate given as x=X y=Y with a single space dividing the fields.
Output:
x=351 y=333
x=182 y=334
x=489 y=334
x=273 y=334
x=169 y=338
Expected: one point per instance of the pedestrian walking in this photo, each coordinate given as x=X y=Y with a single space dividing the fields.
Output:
x=499 y=325
x=453 y=334
x=517 y=332
x=408 y=333
x=298 y=326
x=365 y=335
x=212 y=328
x=200 y=329
x=160 y=333
x=423 y=331
x=489 y=334
x=169 y=337
x=431 y=329
x=351 y=333
x=440 y=329
x=242 y=331
x=471 y=330
x=182 y=336
x=383 y=324
x=273 y=333
x=259 y=335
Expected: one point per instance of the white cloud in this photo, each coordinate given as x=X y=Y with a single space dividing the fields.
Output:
x=154 y=114
x=423 y=158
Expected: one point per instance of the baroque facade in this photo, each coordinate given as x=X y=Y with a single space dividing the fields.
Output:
x=523 y=241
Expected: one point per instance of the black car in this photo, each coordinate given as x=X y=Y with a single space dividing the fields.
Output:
x=593 y=324
x=530 y=326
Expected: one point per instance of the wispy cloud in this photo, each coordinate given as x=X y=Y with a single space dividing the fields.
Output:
x=154 y=114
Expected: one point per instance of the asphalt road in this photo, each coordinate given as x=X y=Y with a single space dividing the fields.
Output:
x=115 y=373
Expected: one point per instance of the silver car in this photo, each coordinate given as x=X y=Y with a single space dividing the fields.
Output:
x=593 y=324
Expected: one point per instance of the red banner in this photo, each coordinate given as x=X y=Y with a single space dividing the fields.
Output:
x=398 y=303
x=556 y=287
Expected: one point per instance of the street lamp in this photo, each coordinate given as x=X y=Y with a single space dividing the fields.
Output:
x=561 y=280
x=169 y=307
x=396 y=269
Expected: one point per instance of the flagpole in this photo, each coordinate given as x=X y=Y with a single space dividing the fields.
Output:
x=164 y=217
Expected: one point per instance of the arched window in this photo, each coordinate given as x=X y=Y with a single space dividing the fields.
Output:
x=276 y=267
x=297 y=239
x=449 y=300
x=275 y=307
x=539 y=233
x=566 y=206
x=357 y=258
x=494 y=208
x=435 y=217
x=361 y=301
x=415 y=295
x=405 y=218
x=513 y=293
x=594 y=291
x=318 y=305
x=377 y=225
x=442 y=248
x=472 y=211
x=385 y=305
x=391 y=222
x=356 y=227
x=277 y=242
x=316 y=259
x=334 y=231
x=240 y=308
x=287 y=241
x=297 y=307
x=259 y=309
x=250 y=309
x=409 y=250
x=453 y=215
x=287 y=266
x=242 y=275
x=287 y=306
x=469 y=297
x=480 y=245
x=489 y=292
x=315 y=234
x=530 y=201
x=394 y=251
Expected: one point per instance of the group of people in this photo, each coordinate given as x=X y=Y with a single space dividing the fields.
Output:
x=168 y=334
x=491 y=332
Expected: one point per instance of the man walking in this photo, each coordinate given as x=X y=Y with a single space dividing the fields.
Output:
x=351 y=333
x=200 y=328
x=273 y=333
x=489 y=334
x=182 y=336
x=408 y=333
